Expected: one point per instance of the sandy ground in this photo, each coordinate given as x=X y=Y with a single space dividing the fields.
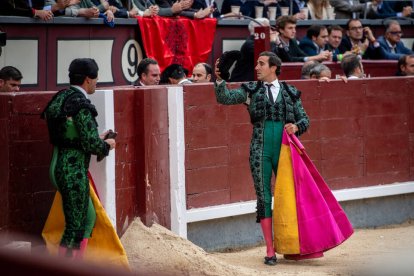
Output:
x=383 y=251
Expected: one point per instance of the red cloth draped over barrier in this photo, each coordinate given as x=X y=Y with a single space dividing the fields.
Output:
x=177 y=40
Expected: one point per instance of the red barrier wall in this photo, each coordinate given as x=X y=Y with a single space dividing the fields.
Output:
x=361 y=134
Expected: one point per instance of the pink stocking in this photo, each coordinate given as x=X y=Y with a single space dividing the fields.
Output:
x=266 y=224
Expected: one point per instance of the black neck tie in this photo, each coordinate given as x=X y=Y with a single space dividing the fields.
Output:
x=269 y=93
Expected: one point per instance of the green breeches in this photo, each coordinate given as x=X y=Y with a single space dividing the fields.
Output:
x=272 y=140
x=71 y=180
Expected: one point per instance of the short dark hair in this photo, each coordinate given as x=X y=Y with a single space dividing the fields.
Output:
x=207 y=67
x=335 y=28
x=350 y=63
x=283 y=20
x=314 y=30
x=307 y=67
x=402 y=61
x=80 y=68
x=351 y=20
x=274 y=60
x=318 y=69
x=143 y=66
x=10 y=73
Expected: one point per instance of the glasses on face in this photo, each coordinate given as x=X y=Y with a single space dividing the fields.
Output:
x=358 y=28
x=396 y=33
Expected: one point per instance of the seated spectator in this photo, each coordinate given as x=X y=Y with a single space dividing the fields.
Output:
x=320 y=72
x=315 y=40
x=118 y=10
x=297 y=5
x=183 y=8
x=318 y=9
x=391 y=44
x=244 y=67
x=82 y=8
x=352 y=66
x=403 y=7
x=307 y=67
x=345 y=9
x=202 y=72
x=148 y=72
x=406 y=65
x=203 y=4
x=26 y=8
x=149 y=8
x=384 y=9
x=360 y=41
x=247 y=8
x=286 y=25
x=10 y=79
x=334 y=40
x=174 y=74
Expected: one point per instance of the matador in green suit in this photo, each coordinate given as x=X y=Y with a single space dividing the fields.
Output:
x=70 y=117
x=273 y=106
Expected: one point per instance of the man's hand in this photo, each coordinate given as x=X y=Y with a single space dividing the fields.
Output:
x=406 y=12
x=291 y=128
x=324 y=55
x=111 y=143
x=217 y=71
x=203 y=13
x=368 y=33
x=43 y=14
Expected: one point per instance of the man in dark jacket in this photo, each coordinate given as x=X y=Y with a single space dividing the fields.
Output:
x=273 y=107
x=315 y=40
x=286 y=25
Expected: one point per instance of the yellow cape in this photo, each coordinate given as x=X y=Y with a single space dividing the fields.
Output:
x=104 y=246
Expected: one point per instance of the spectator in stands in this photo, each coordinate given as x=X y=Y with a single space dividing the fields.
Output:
x=81 y=8
x=334 y=40
x=403 y=7
x=202 y=72
x=307 y=67
x=118 y=10
x=360 y=40
x=315 y=40
x=286 y=25
x=318 y=9
x=148 y=72
x=10 y=79
x=174 y=74
x=204 y=4
x=25 y=8
x=244 y=67
x=297 y=6
x=183 y=8
x=347 y=9
x=247 y=8
x=320 y=72
x=385 y=9
x=352 y=66
x=391 y=44
x=148 y=8
x=266 y=99
x=406 y=65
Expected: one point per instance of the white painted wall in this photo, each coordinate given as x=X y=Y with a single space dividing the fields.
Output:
x=103 y=173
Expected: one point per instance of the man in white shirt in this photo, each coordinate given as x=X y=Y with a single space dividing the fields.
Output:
x=352 y=66
x=148 y=72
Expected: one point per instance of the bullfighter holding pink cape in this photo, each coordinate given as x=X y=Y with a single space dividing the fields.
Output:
x=307 y=220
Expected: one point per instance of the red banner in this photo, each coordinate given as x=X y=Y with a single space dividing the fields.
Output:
x=177 y=40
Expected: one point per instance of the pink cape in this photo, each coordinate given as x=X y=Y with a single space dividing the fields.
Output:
x=320 y=221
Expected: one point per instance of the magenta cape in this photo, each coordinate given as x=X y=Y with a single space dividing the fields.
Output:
x=308 y=220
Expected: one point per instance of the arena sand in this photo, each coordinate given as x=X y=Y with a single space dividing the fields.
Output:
x=382 y=251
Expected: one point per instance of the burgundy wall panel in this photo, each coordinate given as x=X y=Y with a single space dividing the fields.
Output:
x=361 y=134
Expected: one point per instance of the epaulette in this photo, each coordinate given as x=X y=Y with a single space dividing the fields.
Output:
x=252 y=86
x=293 y=92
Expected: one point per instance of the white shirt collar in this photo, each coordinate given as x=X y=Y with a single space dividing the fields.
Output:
x=81 y=90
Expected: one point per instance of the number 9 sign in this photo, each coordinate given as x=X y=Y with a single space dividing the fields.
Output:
x=131 y=56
